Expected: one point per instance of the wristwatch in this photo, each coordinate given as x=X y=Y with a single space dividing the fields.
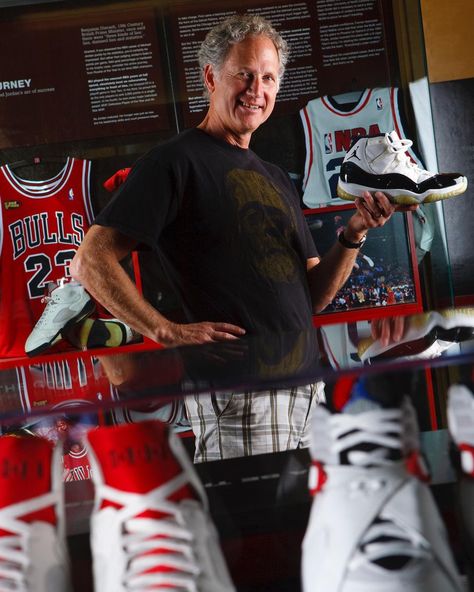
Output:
x=345 y=243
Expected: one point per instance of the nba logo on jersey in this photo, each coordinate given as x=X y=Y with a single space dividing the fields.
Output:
x=379 y=103
x=328 y=143
x=71 y=194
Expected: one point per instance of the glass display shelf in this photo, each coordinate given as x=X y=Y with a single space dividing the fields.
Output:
x=258 y=497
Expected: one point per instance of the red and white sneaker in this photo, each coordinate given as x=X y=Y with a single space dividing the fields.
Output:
x=150 y=528
x=373 y=527
x=33 y=556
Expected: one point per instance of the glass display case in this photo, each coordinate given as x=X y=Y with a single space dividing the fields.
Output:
x=89 y=87
x=223 y=403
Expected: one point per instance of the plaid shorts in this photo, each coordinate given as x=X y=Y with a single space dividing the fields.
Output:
x=228 y=425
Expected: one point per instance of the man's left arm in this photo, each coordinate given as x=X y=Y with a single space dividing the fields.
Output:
x=326 y=275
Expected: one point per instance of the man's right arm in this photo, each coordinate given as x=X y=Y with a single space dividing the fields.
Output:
x=97 y=267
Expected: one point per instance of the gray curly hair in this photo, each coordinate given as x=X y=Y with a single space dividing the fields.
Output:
x=222 y=37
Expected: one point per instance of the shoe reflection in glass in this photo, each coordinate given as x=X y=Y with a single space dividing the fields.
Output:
x=150 y=527
x=427 y=335
x=33 y=555
x=374 y=525
x=461 y=429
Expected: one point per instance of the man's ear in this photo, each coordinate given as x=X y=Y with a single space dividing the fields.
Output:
x=209 y=78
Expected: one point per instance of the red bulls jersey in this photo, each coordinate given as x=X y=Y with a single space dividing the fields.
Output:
x=329 y=127
x=42 y=223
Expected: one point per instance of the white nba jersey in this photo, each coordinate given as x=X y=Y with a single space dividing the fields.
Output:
x=329 y=127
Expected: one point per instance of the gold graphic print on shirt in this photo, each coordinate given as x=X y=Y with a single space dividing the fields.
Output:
x=267 y=223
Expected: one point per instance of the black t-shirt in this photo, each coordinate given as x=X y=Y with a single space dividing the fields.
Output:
x=227 y=227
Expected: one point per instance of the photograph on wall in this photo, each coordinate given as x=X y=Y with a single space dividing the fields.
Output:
x=384 y=279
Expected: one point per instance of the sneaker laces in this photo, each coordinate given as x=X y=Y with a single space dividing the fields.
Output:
x=13 y=563
x=159 y=551
x=390 y=546
x=151 y=544
x=402 y=160
x=370 y=438
x=14 y=556
x=50 y=301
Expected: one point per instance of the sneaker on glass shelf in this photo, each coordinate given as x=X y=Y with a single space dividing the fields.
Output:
x=33 y=556
x=381 y=163
x=67 y=303
x=461 y=425
x=91 y=333
x=427 y=335
x=150 y=527
x=374 y=525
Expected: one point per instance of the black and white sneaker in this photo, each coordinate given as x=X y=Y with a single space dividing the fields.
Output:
x=381 y=163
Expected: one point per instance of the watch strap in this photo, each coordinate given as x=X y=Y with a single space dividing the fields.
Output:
x=347 y=244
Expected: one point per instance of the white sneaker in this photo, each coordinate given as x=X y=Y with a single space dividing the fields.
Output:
x=33 y=556
x=66 y=304
x=461 y=428
x=427 y=335
x=461 y=424
x=373 y=526
x=380 y=163
x=150 y=527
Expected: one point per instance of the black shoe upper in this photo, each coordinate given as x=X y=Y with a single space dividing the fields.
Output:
x=352 y=173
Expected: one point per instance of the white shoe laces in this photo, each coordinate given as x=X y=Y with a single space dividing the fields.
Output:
x=151 y=543
x=13 y=563
x=385 y=540
x=14 y=556
x=381 y=428
x=50 y=300
x=402 y=160
x=175 y=538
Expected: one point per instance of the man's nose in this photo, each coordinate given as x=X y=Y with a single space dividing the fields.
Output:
x=255 y=86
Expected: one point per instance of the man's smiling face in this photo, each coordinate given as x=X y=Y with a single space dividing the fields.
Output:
x=243 y=91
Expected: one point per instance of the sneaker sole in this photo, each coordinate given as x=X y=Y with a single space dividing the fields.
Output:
x=352 y=191
x=86 y=311
x=101 y=333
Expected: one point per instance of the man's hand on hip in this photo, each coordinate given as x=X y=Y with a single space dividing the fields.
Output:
x=175 y=334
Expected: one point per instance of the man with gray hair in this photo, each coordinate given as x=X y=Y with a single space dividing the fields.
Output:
x=228 y=229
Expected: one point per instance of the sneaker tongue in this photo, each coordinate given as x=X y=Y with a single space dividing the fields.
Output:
x=25 y=473
x=136 y=457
